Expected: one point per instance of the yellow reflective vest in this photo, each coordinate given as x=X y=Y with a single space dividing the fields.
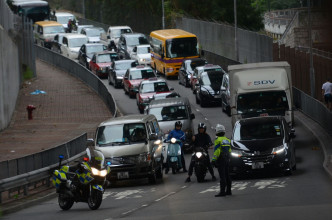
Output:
x=221 y=144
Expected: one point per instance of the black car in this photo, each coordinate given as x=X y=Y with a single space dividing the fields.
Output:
x=118 y=70
x=187 y=69
x=262 y=143
x=208 y=88
x=86 y=52
x=127 y=42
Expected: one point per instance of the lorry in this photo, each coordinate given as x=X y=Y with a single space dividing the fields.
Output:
x=261 y=89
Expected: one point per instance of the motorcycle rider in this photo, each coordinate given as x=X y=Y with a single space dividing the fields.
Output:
x=201 y=139
x=178 y=134
x=221 y=158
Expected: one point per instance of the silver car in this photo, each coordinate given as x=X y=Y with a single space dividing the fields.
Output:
x=170 y=110
x=132 y=144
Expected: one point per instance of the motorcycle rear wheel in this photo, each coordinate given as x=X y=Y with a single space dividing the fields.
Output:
x=65 y=202
x=200 y=174
x=94 y=201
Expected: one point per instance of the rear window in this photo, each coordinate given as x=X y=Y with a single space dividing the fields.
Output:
x=170 y=113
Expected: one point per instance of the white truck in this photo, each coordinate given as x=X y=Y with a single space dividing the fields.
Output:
x=261 y=89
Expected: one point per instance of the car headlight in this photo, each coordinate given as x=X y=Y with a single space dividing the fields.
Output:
x=240 y=153
x=145 y=100
x=142 y=60
x=145 y=157
x=278 y=150
x=157 y=142
x=199 y=154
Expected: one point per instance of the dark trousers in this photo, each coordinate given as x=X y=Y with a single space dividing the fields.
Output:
x=182 y=159
x=208 y=164
x=225 y=179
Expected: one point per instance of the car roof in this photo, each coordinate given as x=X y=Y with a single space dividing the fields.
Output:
x=169 y=102
x=208 y=66
x=153 y=80
x=140 y=67
x=124 y=61
x=265 y=119
x=93 y=44
x=72 y=36
x=143 y=45
x=133 y=34
x=119 y=27
x=194 y=59
x=105 y=52
x=128 y=119
x=48 y=23
x=92 y=28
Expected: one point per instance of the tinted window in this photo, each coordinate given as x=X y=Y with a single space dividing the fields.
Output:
x=170 y=113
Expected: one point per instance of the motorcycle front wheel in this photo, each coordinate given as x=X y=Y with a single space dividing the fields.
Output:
x=94 y=201
x=200 y=174
x=65 y=202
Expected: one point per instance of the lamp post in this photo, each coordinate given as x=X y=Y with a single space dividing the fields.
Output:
x=163 y=12
x=83 y=8
x=235 y=32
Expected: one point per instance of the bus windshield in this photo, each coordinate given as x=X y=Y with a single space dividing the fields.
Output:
x=35 y=12
x=181 y=47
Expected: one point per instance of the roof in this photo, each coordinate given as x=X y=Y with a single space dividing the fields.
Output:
x=208 y=66
x=171 y=33
x=119 y=27
x=132 y=34
x=93 y=44
x=27 y=2
x=48 y=23
x=124 y=61
x=72 y=36
x=153 y=80
x=140 y=67
x=128 y=119
x=195 y=59
x=105 y=52
x=169 y=102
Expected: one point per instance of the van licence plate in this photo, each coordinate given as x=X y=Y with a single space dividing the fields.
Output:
x=123 y=175
x=258 y=165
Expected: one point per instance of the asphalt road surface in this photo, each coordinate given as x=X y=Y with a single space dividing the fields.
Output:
x=307 y=194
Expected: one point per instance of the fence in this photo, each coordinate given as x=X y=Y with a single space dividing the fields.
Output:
x=219 y=39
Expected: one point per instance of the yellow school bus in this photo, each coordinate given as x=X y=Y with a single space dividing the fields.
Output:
x=169 y=47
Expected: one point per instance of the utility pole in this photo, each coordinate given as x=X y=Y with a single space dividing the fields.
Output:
x=235 y=32
x=83 y=9
x=163 y=17
x=312 y=70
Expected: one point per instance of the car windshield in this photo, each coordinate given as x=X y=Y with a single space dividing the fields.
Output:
x=123 y=65
x=143 y=50
x=141 y=74
x=136 y=40
x=154 y=87
x=107 y=57
x=95 y=48
x=213 y=79
x=64 y=19
x=170 y=113
x=114 y=135
x=258 y=130
x=54 y=29
x=116 y=33
x=94 y=32
x=272 y=103
x=76 y=42
x=181 y=47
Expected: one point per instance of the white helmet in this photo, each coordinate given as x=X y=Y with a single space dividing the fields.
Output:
x=220 y=128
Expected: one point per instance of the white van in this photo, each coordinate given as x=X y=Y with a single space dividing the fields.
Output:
x=114 y=33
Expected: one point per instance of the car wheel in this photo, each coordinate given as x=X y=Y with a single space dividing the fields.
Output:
x=228 y=110
x=203 y=103
x=153 y=177
x=186 y=83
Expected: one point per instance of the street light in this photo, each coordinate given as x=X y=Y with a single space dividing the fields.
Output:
x=163 y=17
x=235 y=33
x=312 y=70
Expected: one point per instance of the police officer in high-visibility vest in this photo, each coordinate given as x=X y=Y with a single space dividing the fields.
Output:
x=221 y=158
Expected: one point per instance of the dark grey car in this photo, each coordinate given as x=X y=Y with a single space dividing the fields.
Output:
x=87 y=51
x=262 y=143
x=127 y=42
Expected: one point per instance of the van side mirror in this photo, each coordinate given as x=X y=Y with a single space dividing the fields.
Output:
x=192 y=116
x=153 y=136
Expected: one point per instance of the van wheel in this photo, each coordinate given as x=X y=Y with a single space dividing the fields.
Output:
x=197 y=100
x=160 y=173
x=153 y=177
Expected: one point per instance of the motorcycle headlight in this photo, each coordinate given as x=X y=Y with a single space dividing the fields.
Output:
x=173 y=140
x=199 y=154
x=278 y=150
x=94 y=171
x=103 y=173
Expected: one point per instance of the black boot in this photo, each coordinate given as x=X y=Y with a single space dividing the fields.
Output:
x=221 y=193
x=228 y=190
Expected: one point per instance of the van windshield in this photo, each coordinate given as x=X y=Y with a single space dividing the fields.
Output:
x=170 y=113
x=121 y=134
x=257 y=103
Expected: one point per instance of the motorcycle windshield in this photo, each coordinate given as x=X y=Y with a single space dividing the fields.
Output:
x=97 y=159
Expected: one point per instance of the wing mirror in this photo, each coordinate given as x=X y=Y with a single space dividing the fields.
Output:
x=222 y=89
x=153 y=136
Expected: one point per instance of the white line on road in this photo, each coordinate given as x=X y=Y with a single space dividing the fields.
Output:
x=197 y=110
x=206 y=119
x=165 y=196
x=184 y=187
x=125 y=213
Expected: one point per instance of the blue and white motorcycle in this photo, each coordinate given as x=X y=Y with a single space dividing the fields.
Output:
x=172 y=155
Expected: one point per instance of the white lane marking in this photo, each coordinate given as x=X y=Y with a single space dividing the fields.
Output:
x=197 y=110
x=125 y=213
x=165 y=196
x=145 y=205
x=184 y=187
x=206 y=119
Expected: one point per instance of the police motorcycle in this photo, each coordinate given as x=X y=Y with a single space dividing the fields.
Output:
x=172 y=152
x=200 y=167
x=82 y=183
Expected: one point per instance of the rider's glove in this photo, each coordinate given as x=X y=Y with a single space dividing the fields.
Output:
x=213 y=163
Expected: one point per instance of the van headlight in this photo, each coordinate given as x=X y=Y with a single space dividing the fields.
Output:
x=145 y=157
x=278 y=150
x=240 y=153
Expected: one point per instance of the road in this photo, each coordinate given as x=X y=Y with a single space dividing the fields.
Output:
x=307 y=194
